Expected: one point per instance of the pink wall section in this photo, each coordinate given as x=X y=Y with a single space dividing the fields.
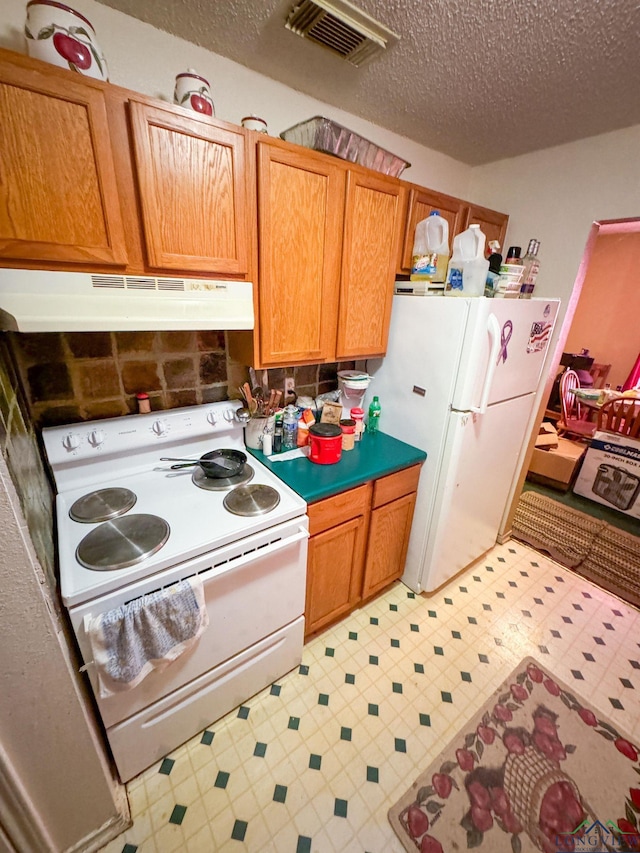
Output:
x=606 y=321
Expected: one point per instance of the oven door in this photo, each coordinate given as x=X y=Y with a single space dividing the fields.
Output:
x=253 y=588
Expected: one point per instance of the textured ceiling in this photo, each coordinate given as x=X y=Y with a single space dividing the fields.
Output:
x=479 y=80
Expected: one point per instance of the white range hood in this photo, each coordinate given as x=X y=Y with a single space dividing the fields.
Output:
x=44 y=301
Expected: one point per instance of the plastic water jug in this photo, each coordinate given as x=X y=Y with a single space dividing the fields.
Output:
x=467 y=272
x=430 y=249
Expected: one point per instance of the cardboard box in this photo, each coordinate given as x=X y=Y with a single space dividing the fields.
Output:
x=610 y=474
x=547 y=436
x=556 y=467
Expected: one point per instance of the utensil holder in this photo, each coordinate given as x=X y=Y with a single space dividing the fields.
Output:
x=256 y=428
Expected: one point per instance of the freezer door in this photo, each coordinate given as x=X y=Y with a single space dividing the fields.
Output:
x=472 y=487
x=416 y=379
x=515 y=353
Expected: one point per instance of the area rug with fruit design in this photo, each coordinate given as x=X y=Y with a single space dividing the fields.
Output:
x=537 y=769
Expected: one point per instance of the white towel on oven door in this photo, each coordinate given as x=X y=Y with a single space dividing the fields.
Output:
x=145 y=634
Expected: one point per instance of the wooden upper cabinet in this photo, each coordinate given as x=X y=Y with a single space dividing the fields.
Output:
x=421 y=203
x=300 y=208
x=192 y=180
x=374 y=212
x=58 y=195
x=492 y=223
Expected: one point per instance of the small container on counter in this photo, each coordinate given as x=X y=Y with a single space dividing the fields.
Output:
x=144 y=403
x=325 y=441
x=303 y=433
x=348 y=427
x=267 y=444
x=357 y=414
x=277 y=434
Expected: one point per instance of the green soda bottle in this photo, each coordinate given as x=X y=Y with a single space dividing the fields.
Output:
x=373 y=422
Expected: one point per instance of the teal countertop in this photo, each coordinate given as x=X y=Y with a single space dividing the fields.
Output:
x=372 y=457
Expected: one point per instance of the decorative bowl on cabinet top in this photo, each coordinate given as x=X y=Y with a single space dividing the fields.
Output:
x=58 y=34
x=193 y=92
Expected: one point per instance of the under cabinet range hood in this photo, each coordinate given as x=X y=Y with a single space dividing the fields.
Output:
x=44 y=301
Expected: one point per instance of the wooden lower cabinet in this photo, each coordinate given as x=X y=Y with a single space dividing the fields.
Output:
x=388 y=540
x=358 y=544
x=334 y=572
x=338 y=528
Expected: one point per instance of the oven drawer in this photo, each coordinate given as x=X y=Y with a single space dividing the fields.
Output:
x=149 y=735
x=252 y=589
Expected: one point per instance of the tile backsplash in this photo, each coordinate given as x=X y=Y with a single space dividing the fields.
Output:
x=77 y=376
x=68 y=377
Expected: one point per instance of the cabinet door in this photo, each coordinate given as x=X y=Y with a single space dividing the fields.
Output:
x=492 y=223
x=58 y=197
x=334 y=573
x=300 y=210
x=193 y=191
x=388 y=540
x=421 y=203
x=374 y=212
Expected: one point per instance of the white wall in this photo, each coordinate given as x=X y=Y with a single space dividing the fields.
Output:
x=146 y=60
x=46 y=732
x=556 y=195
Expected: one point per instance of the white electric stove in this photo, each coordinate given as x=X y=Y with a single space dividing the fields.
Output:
x=129 y=525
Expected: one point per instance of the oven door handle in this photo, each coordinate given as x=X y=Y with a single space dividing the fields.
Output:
x=253 y=554
x=225 y=566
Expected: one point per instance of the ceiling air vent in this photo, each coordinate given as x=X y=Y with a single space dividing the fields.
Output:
x=342 y=28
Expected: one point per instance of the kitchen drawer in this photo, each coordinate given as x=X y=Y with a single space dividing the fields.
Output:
x=395 y=485
x=338 y=509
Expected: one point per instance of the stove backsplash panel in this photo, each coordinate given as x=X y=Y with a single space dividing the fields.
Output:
x=80 y=376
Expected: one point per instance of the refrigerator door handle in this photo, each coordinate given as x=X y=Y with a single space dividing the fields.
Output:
x=493 y=328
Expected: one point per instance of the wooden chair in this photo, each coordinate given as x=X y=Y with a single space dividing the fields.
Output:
x=574 y=421
x=620 y=415
x=599 y=374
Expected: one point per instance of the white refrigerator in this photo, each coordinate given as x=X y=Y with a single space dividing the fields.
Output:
x=459 y=381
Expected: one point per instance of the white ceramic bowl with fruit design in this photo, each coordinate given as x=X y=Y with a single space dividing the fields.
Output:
x=194 y=93
x=58 y=34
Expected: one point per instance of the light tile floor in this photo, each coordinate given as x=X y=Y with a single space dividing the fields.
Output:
x=314 y=762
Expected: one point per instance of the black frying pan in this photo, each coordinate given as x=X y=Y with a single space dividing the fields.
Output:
x=216 y=463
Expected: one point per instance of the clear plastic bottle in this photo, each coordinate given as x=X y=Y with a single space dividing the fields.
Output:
x=468 y=267
x=430 y=249
x=290 y=428
x=373 y=421
x=531 y=268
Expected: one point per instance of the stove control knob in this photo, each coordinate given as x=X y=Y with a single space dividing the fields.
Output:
x=211 y=418
x=229 y=415
x=159 y=427
x=96 y=437
x=71 y=441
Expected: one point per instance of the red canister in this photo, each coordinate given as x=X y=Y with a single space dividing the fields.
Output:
x=325 y=441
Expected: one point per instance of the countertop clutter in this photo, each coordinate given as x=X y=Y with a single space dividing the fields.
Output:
x=375 y=456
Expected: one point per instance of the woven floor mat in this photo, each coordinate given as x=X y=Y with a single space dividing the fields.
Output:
x=599 y=552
